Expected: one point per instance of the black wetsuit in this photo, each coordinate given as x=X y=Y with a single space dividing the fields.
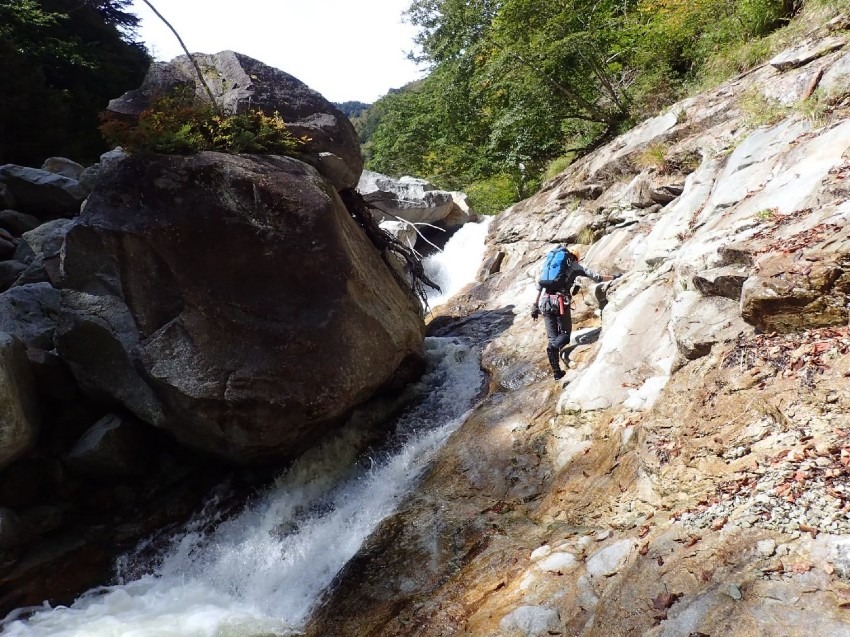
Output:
x=554 y=305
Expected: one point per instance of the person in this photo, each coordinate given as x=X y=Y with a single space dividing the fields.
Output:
x=554 y=304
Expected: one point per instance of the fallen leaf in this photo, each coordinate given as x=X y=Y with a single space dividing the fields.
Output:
x=644 y=549
x=643 y=531
x=719 y=523
x=805 y=528
x=665 y=600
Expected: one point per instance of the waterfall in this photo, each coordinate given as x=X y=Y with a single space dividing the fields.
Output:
x=261 y=572
x=458 y=263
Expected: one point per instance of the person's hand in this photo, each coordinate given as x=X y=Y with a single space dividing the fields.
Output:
x=535 y=312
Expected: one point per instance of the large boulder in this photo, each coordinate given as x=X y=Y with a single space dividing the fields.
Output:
x=803 y=286
x=19 y=415
x=239 y=83
x=40 y=251
x=413 y=200
x=256 y=310
x=30 y=312
x=96 y=335
x=42 y=193
x=16 y=222
x=63 y=166
x=108 y=160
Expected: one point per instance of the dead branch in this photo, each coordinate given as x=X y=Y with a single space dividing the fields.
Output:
x=386 y=243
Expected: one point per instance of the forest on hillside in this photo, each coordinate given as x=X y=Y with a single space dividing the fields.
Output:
x=516 y=89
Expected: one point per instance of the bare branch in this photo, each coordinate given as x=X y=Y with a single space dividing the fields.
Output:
x=189 y=55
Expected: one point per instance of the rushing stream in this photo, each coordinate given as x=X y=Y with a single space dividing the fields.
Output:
x=458 y=263
x=261 y=572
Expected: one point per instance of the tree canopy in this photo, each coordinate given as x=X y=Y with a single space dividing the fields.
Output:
x=515 y=84
x=61 y=61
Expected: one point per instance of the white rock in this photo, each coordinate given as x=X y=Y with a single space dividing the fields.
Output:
x=607 y=561
x=559 y=563
x=766 y=548
x=587 y=597
x=540 y=552
x=532 y=621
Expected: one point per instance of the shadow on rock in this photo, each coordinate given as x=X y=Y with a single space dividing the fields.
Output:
x=482 y=326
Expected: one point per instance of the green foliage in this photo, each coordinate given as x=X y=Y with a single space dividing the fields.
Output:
x=819 y=107
x=654 y=156
x=352 y=108
x=63 y=60
x=557 y=166
x=517 y=84
x=176 y=124
x=760 y=111
x=492 y=195
x=586 y=236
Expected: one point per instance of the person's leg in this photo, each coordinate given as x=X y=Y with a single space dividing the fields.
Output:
x=553 y=334
x=565 y=327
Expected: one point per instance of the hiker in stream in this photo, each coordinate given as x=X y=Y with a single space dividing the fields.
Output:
x=554 y=293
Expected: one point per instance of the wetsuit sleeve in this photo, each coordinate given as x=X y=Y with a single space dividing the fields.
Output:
x=590 y=274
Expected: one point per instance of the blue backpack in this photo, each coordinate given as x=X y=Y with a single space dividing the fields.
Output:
x=553 y=277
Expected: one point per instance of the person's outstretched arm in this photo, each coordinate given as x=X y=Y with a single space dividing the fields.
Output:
x=535 y=308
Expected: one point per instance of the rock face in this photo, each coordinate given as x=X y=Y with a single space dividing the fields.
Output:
x=29 y=312
x=42 y=193
x=238 y=83
x=240 y=306
x=689 y=476
x=19 y=416
x=114 y=447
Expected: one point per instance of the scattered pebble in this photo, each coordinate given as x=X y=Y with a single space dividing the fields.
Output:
x=766 y=548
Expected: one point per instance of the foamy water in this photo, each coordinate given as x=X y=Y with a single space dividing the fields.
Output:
x=261 y=572
x=458 y=263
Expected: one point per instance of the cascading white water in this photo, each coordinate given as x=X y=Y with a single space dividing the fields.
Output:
x=261 y=572
x=458 y=263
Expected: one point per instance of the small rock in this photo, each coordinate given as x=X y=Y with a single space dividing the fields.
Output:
x=735 y=592
x=766 y=548
x=601 y=536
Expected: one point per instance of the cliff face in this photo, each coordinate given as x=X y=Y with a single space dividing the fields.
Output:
x=691 y=475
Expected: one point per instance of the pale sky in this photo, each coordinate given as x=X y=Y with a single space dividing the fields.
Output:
x=344 y=49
